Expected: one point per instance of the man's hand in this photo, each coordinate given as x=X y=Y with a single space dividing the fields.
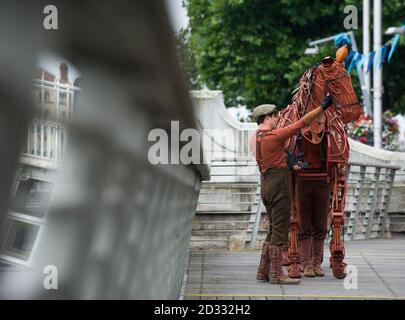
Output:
x=326 y=102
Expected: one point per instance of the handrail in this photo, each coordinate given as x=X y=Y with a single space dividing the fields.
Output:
x=371 y=197
x=258 y=215
x=388 y=166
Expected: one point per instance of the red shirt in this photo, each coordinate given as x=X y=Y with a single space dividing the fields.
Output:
x=273 y=146
x=312 y=154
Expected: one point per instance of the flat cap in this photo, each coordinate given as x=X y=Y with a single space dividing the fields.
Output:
x=263 y=109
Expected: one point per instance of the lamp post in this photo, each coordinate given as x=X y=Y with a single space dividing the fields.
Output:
x=366 y=47
x=377 y=76
x=395 y=30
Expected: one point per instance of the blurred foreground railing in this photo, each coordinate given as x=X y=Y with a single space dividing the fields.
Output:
x=116 y=226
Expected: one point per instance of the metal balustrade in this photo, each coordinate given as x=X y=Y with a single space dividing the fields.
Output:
x=368 y=199
x=396 y=206
x=45 y=140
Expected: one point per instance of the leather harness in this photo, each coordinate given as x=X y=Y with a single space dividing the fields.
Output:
x=259 y=155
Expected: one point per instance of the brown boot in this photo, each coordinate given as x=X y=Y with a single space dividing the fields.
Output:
x=276 y=275
x=286 y=259
x=317 y=247
x=306 y=258
x=264 y=265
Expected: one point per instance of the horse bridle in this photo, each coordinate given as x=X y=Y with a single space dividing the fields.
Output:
x=294 y=155
x=340 y=77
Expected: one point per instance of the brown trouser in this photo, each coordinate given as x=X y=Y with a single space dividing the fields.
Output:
x=275 y=193
x=313 y=205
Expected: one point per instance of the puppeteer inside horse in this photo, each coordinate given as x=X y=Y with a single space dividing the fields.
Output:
x=302 y=154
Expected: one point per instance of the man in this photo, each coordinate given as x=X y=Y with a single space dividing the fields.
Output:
x=275 y=185
x=313 y=205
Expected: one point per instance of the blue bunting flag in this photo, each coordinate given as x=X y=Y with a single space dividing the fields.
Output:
x=370 y=61
x=359 y=64
x=393 y=46
x=353 y=63
x=378 y=57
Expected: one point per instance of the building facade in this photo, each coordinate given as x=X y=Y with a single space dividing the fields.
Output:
x=41 y=154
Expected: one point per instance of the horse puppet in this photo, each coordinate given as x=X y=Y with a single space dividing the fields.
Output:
x=328 y=133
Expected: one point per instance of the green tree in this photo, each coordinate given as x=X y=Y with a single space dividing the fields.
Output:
x=187 y=58
x=253 y=50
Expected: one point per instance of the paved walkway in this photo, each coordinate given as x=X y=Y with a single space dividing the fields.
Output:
x=231 y=275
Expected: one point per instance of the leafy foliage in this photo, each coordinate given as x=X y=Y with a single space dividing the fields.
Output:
x=187 y=58
x=253 y=50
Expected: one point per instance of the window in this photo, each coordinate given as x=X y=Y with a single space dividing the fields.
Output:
x=38 y=137
x=47 y=97
x=32 y=197
x=52 y=138
x=22 y=228
x=20 y=238
x=46 y=115
x=62 y=98
x=32 y=139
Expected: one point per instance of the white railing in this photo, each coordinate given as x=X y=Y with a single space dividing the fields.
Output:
x=60 y=95
x=46 y=137
x=45 y=140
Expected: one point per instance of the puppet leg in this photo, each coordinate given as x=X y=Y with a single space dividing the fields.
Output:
x=294 y=256
x=336 y=244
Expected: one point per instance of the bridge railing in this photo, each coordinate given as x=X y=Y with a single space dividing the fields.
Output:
x=369 y=190
x=396 y=207
x=368 y=198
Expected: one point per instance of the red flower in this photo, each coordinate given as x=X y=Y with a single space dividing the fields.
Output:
x=363 y=140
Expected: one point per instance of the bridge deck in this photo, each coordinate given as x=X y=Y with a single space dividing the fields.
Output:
x=231 y=275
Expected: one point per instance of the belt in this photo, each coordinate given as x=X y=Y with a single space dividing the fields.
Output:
x=275 y=171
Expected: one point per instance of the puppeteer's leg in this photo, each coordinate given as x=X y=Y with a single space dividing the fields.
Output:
x=319 y=224
x=264 y=265
x=294 y=255
x=336 y=245
x=280 y=202
x=285 y=258
x=306 y=200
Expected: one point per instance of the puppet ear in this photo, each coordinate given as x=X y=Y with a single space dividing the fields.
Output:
x=342 y=53
x=327 y=61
